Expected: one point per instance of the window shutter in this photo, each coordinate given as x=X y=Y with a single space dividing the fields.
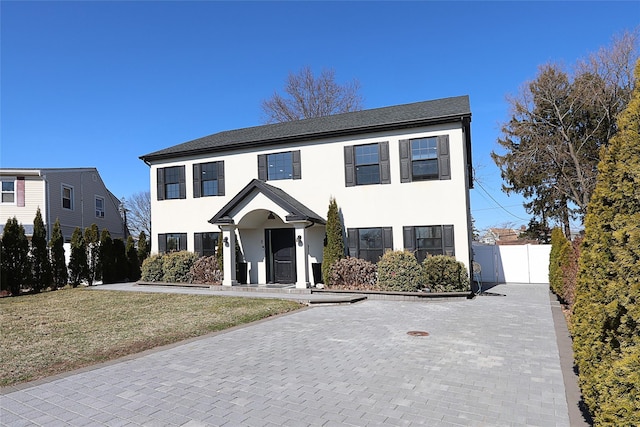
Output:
x=182 y=182
x=20 y=192
x=352 y=241
x=197 y=174
x=262 y=167
x=447 y=240
x=383 y=153
x=409 y=237
x=297 y=165
x=162 y=243
x=160 y=183
x=183 y=242
x=405 y=161
x=220 y=167
x=197 y=243
x=349 y=167
x=387 y=239
x=444 y=169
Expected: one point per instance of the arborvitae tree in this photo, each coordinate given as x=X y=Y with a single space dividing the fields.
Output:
x=334 y=247
x=133 y=266
x=16 y=265
x=219 y=252
x=606 y=315
x=78 y=260
x=4 y=283
x=40 y=255
x=143 y=247
x=58 y=261
x=105 y=260
x=92 y=243
x=120 y=268
x=559 y=245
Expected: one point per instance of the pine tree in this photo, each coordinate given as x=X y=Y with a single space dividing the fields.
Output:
x=105 y=261
x=42 y=276
x=133 y=266
x=334 y=248
x=606 y=315
x=78 y=261
x=143 y=247
x=58 y=261
x=92 y=244
x=16 y=265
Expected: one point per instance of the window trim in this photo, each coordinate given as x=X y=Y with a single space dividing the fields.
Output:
x=161 y=183
x=198 y=243
x=12 y=180
x=163 y=238
x=71 y=196
x=353 y=240
x=296 y=165
x=96 y=198
x=383 y=164
x=443 y=160
x=447 y=244
x=198 y=181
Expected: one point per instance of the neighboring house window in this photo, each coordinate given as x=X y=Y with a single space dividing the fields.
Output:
x=429 y=240
x=424 y=159
x=370 y=243
x=275 y=166
x=172 y=242
x=67 y=197
x=171 y=183
x=8 y=191
x=208 y=179
x=367 y=164
x=99 y=207
x=205 y=243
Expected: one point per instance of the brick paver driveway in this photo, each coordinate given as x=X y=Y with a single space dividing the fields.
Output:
x=491 y=361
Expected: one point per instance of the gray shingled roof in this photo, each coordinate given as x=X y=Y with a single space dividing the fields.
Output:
x=386 y=118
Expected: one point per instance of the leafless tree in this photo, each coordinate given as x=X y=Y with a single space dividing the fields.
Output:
x=308 y=96
x=138 y=208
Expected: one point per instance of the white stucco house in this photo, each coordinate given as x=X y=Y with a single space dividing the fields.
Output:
x=76 y=196
x=400 y=175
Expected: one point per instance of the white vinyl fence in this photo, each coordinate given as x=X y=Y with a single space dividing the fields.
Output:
x=512 y=263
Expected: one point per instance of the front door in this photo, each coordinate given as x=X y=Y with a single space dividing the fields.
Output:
x=281 y=255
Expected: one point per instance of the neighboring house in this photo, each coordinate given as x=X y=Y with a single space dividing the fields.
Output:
x=75 y=196
x=400 y=175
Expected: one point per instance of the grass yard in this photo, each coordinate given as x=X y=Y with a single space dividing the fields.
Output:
x=54 y=332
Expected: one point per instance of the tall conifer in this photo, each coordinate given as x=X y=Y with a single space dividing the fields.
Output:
x=334 y=248
x=40 y=255
x=78 y=261
x=58 y=261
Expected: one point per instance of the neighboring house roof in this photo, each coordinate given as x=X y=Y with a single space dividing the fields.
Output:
x=297 y=211
x=378 y=119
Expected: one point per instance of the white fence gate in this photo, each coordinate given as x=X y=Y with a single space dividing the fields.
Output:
x=513 y=263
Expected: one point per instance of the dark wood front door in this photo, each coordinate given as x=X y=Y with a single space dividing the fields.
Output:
x=281 y=255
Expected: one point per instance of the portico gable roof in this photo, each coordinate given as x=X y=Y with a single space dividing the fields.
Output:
x=297 y=210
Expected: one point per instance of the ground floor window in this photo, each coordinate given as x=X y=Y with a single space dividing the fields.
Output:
x=205 y=244
x=429 y=240
x=172 y=242
x=370 y=243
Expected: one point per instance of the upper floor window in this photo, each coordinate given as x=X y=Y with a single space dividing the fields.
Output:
x=172 y=242
x=67 y=197
x=205 y=244
x=208 y=179
x=429 y=240
x=424 y=159
x=369 y=243
x=275 y=166
x=171 y=183
x=8 y=191
x=99 y=207
x=367 y=164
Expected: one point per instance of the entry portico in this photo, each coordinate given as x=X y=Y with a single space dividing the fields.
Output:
x=273 y=229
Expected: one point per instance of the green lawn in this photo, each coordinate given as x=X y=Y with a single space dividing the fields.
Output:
x=58 y=331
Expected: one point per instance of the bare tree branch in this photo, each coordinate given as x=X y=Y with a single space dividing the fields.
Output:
x=138 y=208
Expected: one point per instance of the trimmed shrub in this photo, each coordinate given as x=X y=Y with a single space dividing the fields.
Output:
x=152 y=268
x=570 y=273
x=353 y=273
x=176 y=266
x=205 y=270
x=558 y=255
x=442 y=273
x=16 y=264
x=399 y=271
x=78 y=268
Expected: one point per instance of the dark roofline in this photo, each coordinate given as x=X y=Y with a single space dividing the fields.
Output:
x=303 y=130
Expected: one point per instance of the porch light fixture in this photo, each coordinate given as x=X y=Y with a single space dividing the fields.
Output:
x=299 y=240
x=226 y=240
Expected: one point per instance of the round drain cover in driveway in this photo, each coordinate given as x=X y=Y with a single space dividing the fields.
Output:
x=418 y=333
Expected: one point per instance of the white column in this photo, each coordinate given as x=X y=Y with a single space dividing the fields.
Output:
x=229 y=254
x=302 y=269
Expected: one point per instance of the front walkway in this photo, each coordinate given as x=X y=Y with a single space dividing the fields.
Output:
x=490 y=361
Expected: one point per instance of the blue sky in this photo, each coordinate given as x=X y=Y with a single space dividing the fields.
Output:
x=100 y=83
